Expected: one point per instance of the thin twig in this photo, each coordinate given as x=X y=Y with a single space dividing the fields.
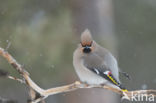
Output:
x=17 y=79
x=8 y=46
x=20 y=69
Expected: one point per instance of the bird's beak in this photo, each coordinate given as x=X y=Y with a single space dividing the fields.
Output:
x=87 y=49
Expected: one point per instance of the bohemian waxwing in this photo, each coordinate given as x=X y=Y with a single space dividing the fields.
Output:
x=94 y=64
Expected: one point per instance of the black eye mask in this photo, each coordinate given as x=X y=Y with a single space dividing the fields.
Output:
x=87 y=49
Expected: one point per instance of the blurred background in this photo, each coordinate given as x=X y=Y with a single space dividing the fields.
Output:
x=44 y=33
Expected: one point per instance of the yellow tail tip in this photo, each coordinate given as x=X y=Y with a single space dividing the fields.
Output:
x=124 y=90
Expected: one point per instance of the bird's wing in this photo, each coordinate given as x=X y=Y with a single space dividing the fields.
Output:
x=105 y=73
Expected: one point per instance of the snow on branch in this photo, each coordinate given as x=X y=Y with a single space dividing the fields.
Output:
x=38 y=94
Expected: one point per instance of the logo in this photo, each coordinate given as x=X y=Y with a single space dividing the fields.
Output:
x=139 y=97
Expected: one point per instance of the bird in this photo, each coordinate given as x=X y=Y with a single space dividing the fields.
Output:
x=94 y=64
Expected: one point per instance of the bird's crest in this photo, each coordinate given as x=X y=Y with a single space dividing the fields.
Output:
x=86 y=38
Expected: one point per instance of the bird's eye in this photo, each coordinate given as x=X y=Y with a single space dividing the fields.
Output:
x=87 y=49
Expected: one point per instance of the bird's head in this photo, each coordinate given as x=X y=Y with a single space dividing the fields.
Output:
x=86 y=42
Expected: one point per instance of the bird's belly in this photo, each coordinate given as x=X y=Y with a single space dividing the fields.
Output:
x=89 y=77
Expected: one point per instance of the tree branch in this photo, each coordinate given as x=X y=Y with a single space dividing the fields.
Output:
x=44 y=93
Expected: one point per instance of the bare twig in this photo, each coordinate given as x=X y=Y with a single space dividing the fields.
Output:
x=8 y=46
x=20 y=69
x=17 y=79
x=74 y=86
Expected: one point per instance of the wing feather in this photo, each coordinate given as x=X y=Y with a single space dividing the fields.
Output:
x=108 y=76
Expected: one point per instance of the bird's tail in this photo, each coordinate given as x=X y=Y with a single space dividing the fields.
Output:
x=111 y=78
x=122 y=88
x=108 y=76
